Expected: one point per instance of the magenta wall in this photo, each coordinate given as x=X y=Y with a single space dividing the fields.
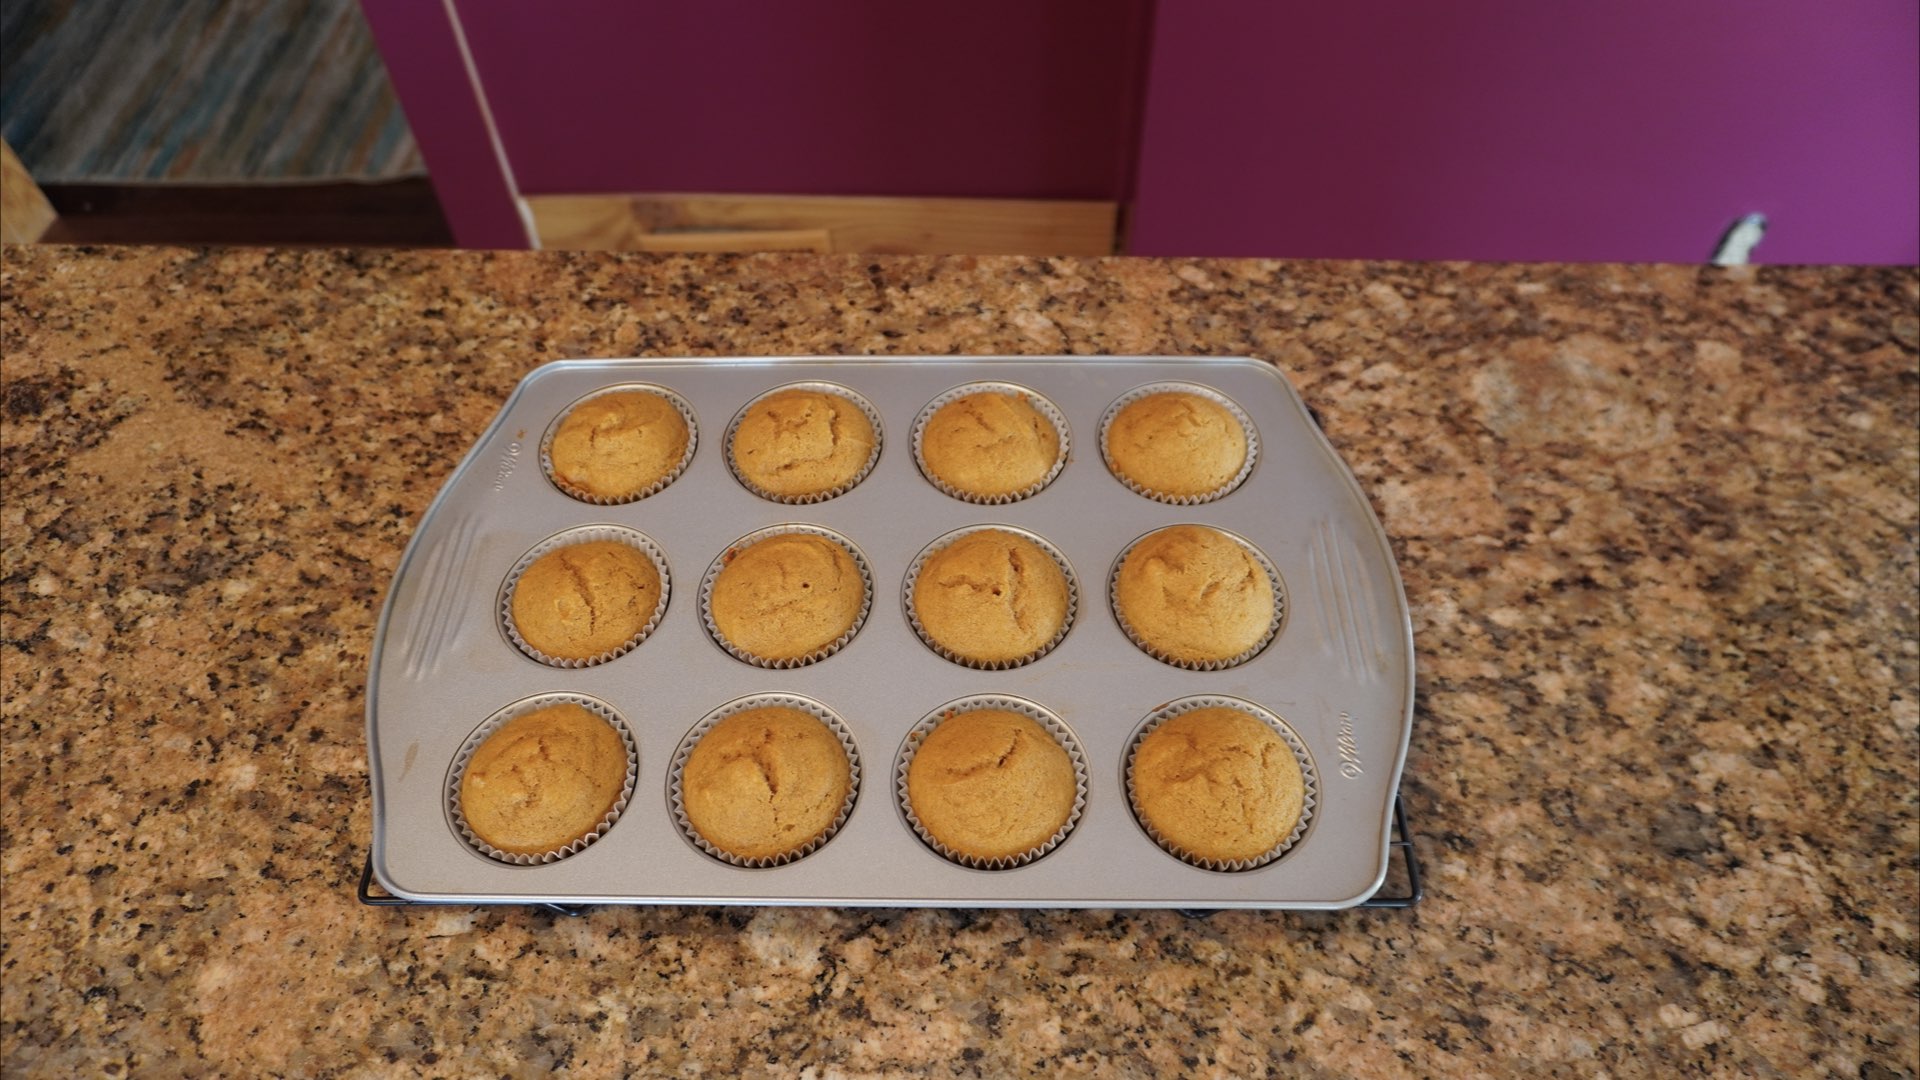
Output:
x=1629 y=130
x=1005 y=98
x=422 y=53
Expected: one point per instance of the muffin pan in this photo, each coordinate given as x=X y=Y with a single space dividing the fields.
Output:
x=1338 y=674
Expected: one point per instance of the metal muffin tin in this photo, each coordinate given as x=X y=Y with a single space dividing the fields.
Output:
x=1340 y=673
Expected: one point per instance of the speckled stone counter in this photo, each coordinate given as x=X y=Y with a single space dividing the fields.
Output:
x=1657 y=527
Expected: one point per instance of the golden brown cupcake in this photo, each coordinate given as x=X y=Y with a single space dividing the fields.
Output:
x=615 y=446
x=1176 y=444
x=989 y=444
x=582 y=600
x=787 y=596
x=800 y=443
x=991 y=784
x=991 y=596
x=765 y=782
x=543 y=780
x=1217 y=783
x=1193 y=595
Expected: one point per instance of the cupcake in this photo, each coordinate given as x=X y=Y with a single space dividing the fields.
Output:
x=802 y=444
x=1176 y=445
x=543 y=780
x=1216 y=784
x=990 y=784
x=991 y=597
x=585 y=600
x=786 y=597
x=765 y=783
x=990 y=445
x=1194 y=596
x=618 y=446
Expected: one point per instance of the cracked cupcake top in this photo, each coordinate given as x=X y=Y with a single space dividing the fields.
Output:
x=765 y=782
x=1218 y=783
x=991 y=596
x=991 y=784
x=1194 y=594
x=1176 y=444
x=989 y=444
x=582 y=600
x=615 y=446
x=798 y=443
x=786 y=596
x=543 y=780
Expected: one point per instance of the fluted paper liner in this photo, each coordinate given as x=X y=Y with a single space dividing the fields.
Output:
x=1273 y=628
x=1033 y=397
x=1233 y=407
x=941 y=544
x=580 y=535
x=814 y=657
x=676 y=798
x=1308 y=776
x=1053 y=725
x=457 y=817
x=680 y=405
x=853 y=398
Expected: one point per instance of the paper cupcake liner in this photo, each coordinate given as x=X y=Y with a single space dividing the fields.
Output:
x=1039 y=401
x=679 y=404
x=814 y=657
x=580 y=535
x=1239 y=414
x=940 y=544
x=1054 y=726
x=676 y=800
x=865 y=406
x=457 y=818
x=1273 y=628
x=1308 y=775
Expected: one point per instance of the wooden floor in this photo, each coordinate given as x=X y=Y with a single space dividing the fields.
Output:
x=397 y=213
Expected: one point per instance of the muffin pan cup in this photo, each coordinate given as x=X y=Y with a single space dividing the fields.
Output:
x=1339 y=668
x=940 y=544
x=1145 y=646
x=676 y=797
x=781 y=663
x=1032 y=711
x=1246 y=427
x=581 y=535
x=1038 y=400
x=1308 y=776
x=679 y=404
x=842 y=392
x=457 y=819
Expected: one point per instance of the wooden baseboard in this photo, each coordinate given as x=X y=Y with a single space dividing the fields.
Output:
x=826 y=223
x=388 y=213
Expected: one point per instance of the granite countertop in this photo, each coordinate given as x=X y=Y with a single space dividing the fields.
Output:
x=1657 y=527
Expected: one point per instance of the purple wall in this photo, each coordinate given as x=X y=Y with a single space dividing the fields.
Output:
x=858 y=97
x=1629 y=130
x=417 y=41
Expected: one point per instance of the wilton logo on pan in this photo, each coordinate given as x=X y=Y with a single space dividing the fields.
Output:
x=1349 y=748
x=508 y=463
